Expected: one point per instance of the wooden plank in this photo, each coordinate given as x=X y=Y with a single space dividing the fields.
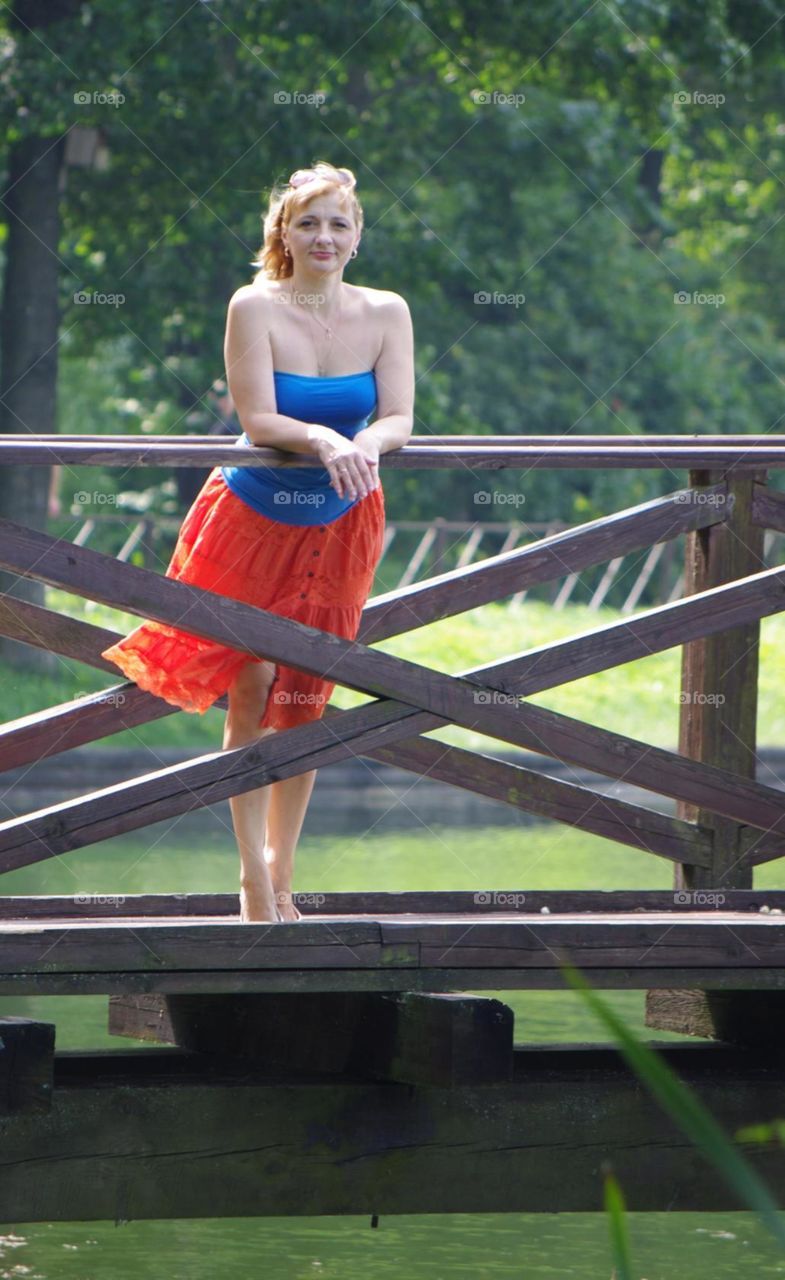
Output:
x=72 y=724
x=177 y=789
x=267 y=1146
x=375 y=903
x=516 y=718
x=407 y=1037
x=443 y=978
x=622 y=440
x=549 y=558
x=553 y=453
x=768 y=507
x=26 y=1066
x=724 y=940
x=552 y=798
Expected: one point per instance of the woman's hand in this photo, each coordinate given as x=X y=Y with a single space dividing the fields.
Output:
x=353 y=464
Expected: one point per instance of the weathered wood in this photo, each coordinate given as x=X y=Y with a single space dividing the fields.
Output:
x=408 y=1037
x=724 y=939
x=768 y=507
x=626 y=441
x=567 y=551
x=26 y=1065
x=526 y=726
x=752 y=1018
x=72 y=724
x=267 y=1146
x=375 y=903
x=719 y=689
x=552 y=798
x=553 y=453
x=429 y=980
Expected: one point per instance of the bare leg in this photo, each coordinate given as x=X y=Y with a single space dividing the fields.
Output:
x=247 y=699
x=288 y=802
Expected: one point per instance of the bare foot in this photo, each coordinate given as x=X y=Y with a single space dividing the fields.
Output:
x=256 y=906
x=286 y=909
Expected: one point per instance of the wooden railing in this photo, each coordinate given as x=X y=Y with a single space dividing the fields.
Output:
x=727 y=821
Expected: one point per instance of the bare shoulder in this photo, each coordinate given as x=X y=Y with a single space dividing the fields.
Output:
x=252 y=300
x=382 y=301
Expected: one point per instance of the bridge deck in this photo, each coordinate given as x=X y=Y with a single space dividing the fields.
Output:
x=130 y=945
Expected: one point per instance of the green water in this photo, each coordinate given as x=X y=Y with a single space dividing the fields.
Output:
x=197 y=854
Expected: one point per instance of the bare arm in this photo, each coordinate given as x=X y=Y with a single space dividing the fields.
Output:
x=249 y=373
x=394 y=380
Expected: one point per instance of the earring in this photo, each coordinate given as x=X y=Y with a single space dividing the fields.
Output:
x=353 y=253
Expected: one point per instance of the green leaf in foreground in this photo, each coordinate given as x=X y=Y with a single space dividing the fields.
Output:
x=685 y=1108
x=617 y=1222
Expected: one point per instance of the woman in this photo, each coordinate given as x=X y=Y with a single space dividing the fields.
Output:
x=308 y=358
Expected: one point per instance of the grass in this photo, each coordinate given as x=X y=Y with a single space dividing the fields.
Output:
x=640 y=698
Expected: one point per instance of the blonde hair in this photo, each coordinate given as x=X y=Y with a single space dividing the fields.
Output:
x=285 y=201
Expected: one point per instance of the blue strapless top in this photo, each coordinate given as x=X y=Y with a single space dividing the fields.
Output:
x=304 y=495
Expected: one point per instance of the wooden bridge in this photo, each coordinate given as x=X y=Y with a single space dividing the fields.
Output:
x=341 y=1064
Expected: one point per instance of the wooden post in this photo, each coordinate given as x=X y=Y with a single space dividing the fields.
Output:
x=719 y=685
x=26 y=1065
x=717 y=725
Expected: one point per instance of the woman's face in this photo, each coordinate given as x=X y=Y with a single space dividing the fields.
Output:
x=322 y=234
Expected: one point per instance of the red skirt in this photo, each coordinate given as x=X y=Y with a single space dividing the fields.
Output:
x=317 y=574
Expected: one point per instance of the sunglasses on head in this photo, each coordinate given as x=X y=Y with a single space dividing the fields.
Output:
x=301 y=176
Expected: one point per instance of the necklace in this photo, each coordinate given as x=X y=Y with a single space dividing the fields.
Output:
x=329 y=329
